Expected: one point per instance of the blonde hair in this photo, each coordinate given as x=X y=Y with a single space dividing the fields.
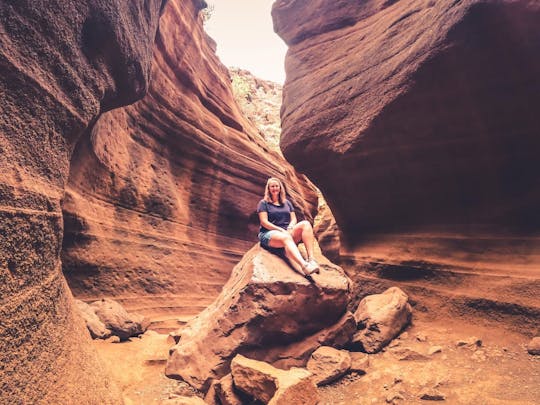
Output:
x=282 y=194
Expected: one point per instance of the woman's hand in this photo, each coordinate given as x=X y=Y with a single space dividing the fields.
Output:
x=292 y=223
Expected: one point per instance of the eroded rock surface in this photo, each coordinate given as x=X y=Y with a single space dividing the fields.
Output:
x=264 y=304
x=62 y=63
x=416 y=121
x=167 y=189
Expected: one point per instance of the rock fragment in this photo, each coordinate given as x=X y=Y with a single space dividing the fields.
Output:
x=328 y=364
x=471 y=342
x=272 y=385
x=434 y=349
x=533 y=347
x=380 y=318
x=432 y=395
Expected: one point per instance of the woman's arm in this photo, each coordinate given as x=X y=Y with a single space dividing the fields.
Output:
x=263 y=219
x=293 y=221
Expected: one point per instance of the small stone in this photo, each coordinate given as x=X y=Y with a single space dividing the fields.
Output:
x=404 y=335
x=394 y=343
x=470 y=342
x=393 y=397
x=434 y=349
x=421 y=337
x=533 y=347
x=432 y=395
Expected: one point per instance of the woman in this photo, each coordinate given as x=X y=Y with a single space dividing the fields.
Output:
x=279 y=228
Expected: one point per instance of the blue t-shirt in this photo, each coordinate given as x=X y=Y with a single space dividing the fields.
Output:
x=279 y=215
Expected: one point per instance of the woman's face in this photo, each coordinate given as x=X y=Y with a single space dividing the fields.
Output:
x=274 y=188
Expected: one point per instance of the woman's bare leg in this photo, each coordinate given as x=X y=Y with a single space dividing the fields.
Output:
x=303 y=231
x=285 y=240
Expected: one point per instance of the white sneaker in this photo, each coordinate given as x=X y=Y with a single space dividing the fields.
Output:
x=311 y=267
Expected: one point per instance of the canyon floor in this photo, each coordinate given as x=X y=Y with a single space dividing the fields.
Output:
x=499 y=371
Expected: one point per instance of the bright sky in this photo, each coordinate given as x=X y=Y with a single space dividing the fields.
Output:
x=246 y=39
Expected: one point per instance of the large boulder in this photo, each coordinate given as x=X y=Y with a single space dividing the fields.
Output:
x=97 y=329
x=264 y=304
x=62 y=64
x=416 y=119
x=380 y=318
x=118 y=320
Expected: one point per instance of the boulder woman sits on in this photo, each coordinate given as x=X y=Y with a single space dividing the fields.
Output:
x=279 y=228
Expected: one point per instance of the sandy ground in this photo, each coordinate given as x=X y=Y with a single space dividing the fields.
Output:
x=500 y=371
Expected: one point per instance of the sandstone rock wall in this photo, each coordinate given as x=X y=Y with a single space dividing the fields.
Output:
x=162 y=195
x=416 y=120
x=62 y=63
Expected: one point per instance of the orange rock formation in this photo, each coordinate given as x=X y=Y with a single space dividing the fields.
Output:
x=161 y=198
x=62 y=63
x=416 y=120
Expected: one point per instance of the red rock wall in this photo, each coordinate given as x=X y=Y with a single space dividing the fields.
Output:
x=162 y=195
x=61 y=64
x=417 y=121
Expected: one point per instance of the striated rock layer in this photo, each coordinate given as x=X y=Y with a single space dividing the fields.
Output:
x=162 y=195
x=62 y=63
x=417 y=121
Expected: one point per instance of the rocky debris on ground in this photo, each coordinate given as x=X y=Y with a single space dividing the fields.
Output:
x=434 y=349
x=328 y=364
x=271 y=385
x=380 y=318
x=432 y=395
x=472 y=342
x=533 y=347
x=408 y=354
x=394 y=396
x=264 y=304
x=479 y=355
x=107 y=317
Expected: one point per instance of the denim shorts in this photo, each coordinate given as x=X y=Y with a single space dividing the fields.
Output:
x=265 y=237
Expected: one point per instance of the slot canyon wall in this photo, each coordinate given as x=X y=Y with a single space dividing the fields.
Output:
x=161 y=198
x=62 y=63
x=157 y=200
x=416 y=119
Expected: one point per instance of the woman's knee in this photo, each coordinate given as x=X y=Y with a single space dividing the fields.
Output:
x=305 y=225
